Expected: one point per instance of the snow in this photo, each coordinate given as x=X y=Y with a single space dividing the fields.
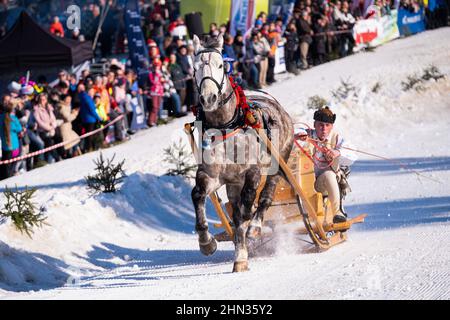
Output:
x=140 y=242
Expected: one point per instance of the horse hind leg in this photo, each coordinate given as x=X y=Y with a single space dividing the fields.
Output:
x=248 y=193
x=265 y=200
x=243 y=209
x=207 y=243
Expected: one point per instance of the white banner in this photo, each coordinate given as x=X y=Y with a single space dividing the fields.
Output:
x=280 y=63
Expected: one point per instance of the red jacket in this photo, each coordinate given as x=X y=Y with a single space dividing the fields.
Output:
x=57 y=26
x=156 y=87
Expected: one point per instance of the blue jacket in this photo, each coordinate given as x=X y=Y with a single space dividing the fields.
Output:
x=14 y=129
x=229 y=51
x=88 y=112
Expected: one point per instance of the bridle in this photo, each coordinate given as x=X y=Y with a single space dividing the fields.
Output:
x=218 y=85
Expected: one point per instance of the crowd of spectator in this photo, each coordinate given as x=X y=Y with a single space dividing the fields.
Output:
x=37 y=115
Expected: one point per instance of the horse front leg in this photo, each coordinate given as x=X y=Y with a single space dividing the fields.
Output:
x=203 y=187
x=243 y=215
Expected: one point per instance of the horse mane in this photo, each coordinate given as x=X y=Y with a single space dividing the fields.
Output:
x=210 y=42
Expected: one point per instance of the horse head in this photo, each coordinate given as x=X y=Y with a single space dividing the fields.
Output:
x=209 y=72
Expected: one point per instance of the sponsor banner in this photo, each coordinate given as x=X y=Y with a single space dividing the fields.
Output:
x=410 y=23
x=137 y=46
x=366 y=31
x=242 y=16
x=377 y=30
x=389 y=29
x=138 y=120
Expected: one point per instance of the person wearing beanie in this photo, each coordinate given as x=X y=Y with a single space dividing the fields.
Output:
x=156 y=92
x=331 y=161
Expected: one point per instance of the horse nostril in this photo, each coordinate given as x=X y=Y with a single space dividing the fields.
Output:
x=202 y=99
x=214 y=98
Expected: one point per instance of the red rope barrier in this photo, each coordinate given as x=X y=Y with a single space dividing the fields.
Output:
x=58 y=145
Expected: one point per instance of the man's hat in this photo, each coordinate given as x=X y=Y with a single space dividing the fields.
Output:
x=325 y=115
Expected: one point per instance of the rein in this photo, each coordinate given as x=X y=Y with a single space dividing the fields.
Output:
x=218 y=85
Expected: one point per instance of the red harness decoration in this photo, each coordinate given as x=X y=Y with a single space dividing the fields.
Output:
x=241 y=103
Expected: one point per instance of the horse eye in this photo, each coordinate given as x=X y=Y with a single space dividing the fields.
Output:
x=221 y=66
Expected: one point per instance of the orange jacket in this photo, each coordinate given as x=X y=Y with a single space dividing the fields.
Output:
x=274 y=38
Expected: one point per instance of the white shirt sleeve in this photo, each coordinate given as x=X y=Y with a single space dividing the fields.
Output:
x=347 y=157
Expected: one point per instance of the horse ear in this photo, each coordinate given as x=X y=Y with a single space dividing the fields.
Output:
x=197 y=44
x=220 y=40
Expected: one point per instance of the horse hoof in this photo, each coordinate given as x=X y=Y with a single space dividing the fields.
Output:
x=240 y=266
x=254 y=232
x=209 y=248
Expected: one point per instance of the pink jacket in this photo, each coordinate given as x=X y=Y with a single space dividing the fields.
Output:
x=156 y=88
x=45 y=119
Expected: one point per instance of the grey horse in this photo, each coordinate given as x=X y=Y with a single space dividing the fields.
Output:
x=219 y=108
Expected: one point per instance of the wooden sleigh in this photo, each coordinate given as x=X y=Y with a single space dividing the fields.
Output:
x=295 y=201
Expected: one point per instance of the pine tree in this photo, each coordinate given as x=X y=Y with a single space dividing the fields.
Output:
x=21 y=210
x=177 y=155
x=108 y=175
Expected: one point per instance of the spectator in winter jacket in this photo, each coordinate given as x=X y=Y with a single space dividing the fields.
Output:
x=170 y=93
x=115 y=109
x=183 y=61
x=10 y=129
x=320 y=29
x=88 y=114
x=178 y=77
x=57 y=28
x=261 y=48
x=305 y=34
x=228 y=49
x=156 y=92
x=99 y=107
x=273 y=38
x=157 y=30
x=261 y=20
x=250 y=64
x=100 y=88
x=213 y=30
x=67 y=115
x=46 y=125
x=345 y=23
x=186 y=62
x=291 y=47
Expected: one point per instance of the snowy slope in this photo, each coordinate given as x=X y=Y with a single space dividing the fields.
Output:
x=140 y=243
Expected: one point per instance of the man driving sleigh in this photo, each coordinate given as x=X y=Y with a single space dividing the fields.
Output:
x=331 y=160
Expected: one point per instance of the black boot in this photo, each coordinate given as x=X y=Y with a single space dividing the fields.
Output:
x=339 y=218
